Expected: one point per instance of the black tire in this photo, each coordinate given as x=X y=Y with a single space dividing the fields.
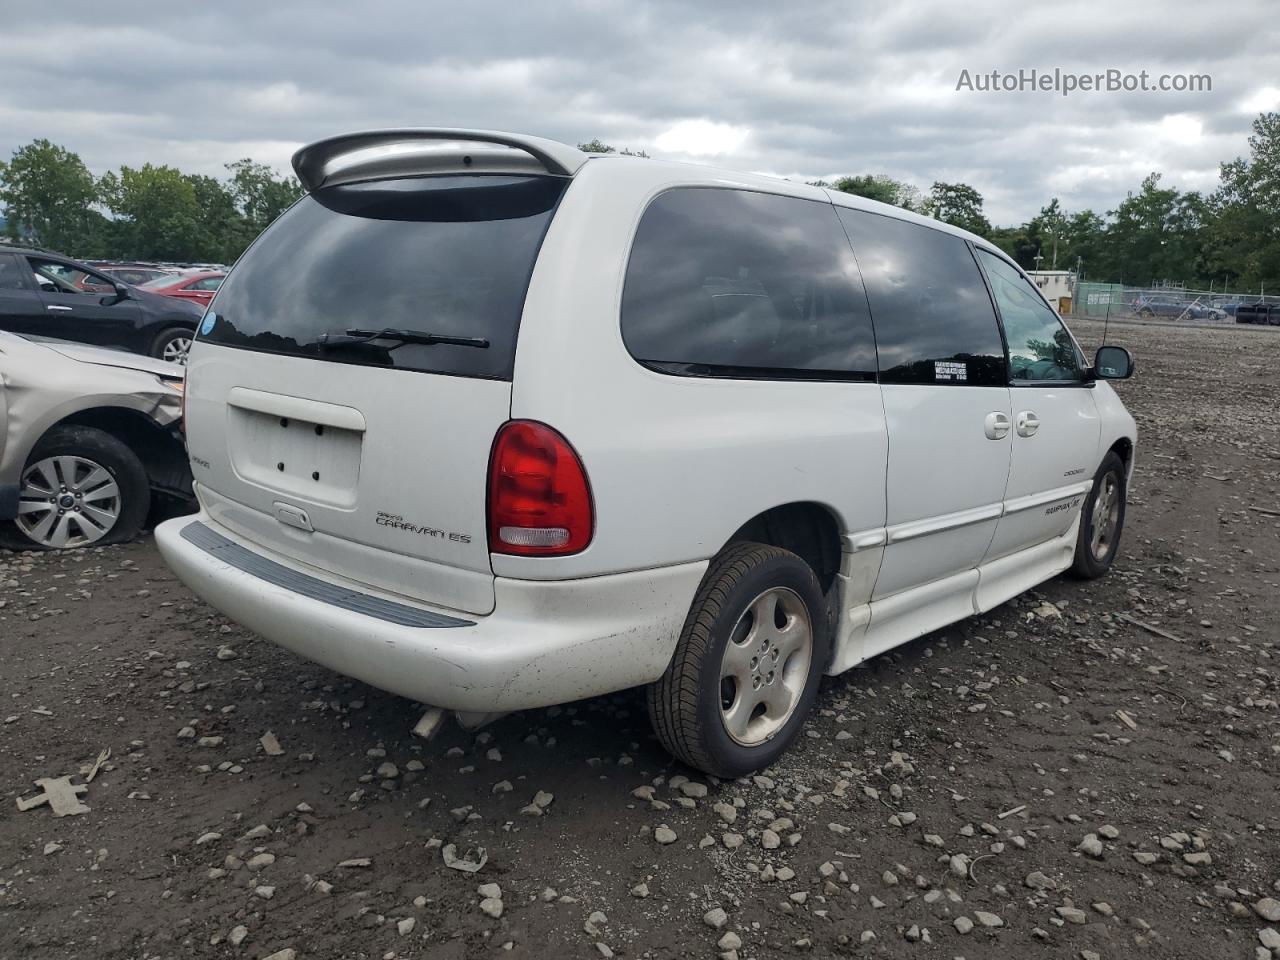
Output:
x=685 y=703
x=172 y=336
x=117 y=459
x=1088 y=564
x=1146 y=313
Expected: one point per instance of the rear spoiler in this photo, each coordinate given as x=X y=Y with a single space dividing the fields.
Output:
x=390 y=153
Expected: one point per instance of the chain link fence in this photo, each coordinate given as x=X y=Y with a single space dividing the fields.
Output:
x=1104 y=300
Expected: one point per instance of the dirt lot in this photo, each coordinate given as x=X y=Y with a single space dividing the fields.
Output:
x=1046 y=781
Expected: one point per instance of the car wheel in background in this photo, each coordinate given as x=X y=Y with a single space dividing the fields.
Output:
x=80 y=487
x=748 y=663
x=1102 y=520
x=172 y=345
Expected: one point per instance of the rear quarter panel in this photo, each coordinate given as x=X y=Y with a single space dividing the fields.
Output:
x=676 y=464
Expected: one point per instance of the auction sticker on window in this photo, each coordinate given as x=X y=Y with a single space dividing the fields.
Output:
x=949 y=371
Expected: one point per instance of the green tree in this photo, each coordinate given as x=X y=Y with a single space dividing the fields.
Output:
x=156 y=213
x=48 y=196
x=1242 y=230
x=220 y=225
x=1154 y=236
x=596 y=145
x=260 y=195
x=877 y=186
x=957 y=204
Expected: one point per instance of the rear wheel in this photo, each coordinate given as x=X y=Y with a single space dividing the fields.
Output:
x=173 y=345
x=1102 y=520
x=748 y=664
x=80 y=487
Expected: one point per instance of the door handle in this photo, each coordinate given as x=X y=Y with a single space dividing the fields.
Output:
x=996 y=425
x=1028 y=423
x=57 y=306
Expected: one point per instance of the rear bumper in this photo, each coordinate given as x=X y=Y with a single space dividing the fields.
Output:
x=546 y=642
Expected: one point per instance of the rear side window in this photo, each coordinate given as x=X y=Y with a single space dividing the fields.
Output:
x=738 y=284
x=1040 y=348
x=934 y=320
x=450 y=256
x=10 y=273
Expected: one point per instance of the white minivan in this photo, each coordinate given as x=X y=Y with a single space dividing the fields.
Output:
x=494 y=424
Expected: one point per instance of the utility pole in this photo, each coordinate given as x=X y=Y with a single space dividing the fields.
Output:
x=1037 y=258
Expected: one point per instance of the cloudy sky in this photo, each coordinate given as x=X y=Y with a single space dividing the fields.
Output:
x=796 y=88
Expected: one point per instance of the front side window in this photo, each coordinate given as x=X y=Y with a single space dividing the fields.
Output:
x=934 y=321
x=1040 y=348
x=732 y=283
x=56 y=277
x=208 y=283
x=443 y=256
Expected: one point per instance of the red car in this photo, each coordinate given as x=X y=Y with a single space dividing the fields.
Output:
x=199 y=287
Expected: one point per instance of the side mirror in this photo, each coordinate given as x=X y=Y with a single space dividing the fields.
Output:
x=122 y=293
x=1113 y=363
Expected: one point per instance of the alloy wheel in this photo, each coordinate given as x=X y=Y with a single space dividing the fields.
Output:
x=765 y=666
x=67 y=501
x=176 y=350
x=1106 y=517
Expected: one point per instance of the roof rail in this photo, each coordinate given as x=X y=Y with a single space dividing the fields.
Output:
x=383 y=153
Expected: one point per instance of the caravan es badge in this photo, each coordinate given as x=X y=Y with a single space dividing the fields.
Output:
x=397 y=522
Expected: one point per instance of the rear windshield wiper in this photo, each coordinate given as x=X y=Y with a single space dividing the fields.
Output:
x=357 y=335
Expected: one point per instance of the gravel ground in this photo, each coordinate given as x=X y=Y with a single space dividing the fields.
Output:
x=1089 y=771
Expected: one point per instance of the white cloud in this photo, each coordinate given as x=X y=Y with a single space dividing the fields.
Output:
x=701 y=138
x=1261 y=101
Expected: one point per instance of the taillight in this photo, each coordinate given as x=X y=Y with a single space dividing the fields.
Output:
x=539 y=497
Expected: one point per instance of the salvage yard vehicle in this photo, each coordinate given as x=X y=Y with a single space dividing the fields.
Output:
x=1178 y=308
x=1261 y=313
x=198 y=286
x=87 y=437
x=49 y=295
x=545 y=425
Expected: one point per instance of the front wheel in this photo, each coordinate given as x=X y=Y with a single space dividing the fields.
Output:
x=80 y=487
x=173 y=345
x=1102 y=520
x=748 y=663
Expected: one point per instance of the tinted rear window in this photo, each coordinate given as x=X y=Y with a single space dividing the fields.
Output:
x=934 y=320
x=739 y=284
x=439 y=255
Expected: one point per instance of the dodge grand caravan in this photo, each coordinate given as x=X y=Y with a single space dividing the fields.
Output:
x=495 y=424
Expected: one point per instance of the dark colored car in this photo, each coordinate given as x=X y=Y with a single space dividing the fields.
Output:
x=52 y=296
x=197 y=287
x=1173 y=307
x=1262 y=313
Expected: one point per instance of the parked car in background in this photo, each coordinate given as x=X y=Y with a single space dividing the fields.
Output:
x=198 y=287
x=135 y=274
x=48 y=295
x=87 y=436
x=1267 y=314
x=1174 y=307
x=549 y=425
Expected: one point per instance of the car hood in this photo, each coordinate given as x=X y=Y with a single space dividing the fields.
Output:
x=154 y=302
x=106 y=357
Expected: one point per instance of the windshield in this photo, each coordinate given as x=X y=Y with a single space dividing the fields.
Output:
x=164 y=280
x=449 y=255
